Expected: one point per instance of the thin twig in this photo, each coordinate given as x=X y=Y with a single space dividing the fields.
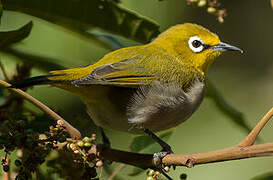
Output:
x=120 y=166
x=74 y=133
x=250 y=139
x=232 y=153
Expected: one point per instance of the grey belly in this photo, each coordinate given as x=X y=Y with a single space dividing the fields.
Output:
x=158 y=107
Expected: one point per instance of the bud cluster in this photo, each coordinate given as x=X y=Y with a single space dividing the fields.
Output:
x=86 y=148
x=153 y=175
x=212 y=7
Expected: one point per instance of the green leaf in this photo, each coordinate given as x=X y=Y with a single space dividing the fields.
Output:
x=10 y=37
x=109 y=169
x=136 y=171
x=266 y=176
x=141 y=142
x=235 y=115
x=80 y=15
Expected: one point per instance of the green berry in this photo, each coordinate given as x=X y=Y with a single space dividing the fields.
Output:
x=150 y=178
x=150 y=172
x=86 y=139
x=80 y=143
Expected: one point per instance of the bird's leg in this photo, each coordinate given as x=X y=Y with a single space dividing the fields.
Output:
x=166 y=147
x=105 y=139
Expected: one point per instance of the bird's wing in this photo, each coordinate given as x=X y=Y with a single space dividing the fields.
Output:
x=125 y=73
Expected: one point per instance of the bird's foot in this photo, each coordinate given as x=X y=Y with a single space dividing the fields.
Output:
x=166 y=149
x=157 y=158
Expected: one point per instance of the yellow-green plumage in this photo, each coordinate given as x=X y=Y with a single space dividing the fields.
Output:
x=155 y=86
x=164 y=58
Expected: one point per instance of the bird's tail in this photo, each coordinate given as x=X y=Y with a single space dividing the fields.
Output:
x=55 y=77
x=38 y=80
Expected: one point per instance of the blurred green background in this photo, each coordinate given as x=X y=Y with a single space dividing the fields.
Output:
x=244 y=80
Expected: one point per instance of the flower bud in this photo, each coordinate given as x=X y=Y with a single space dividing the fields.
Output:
x=211 y=10
x=202 y=3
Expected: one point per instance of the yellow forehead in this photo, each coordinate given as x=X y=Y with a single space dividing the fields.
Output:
x=188 y=30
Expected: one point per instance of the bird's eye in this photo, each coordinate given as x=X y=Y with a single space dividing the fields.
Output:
x=196 y=44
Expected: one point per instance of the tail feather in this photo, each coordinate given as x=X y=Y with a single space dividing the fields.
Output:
x=67 y=75
x=38 y=80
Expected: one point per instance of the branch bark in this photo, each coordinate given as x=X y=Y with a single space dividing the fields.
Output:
x=145 y=161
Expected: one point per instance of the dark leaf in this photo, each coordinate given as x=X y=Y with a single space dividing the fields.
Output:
x=266 y=176
x=40 y=123
x=10 y=37
x=226 y=108
x=83 y=14
x=108 y=39
x=43 y=63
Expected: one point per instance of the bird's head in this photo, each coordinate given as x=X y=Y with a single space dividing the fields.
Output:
x=193 y=44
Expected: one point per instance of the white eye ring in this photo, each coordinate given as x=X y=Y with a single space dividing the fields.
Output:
x=197 y=48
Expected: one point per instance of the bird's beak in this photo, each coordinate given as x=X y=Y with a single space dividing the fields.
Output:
x=225 y=47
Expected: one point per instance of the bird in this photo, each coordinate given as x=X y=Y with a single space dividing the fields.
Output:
x=145 y=88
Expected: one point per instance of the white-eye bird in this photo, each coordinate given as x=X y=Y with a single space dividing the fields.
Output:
x=145 y=88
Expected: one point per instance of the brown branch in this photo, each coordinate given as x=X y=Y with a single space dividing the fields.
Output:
x=232 y=153
x=74 y=133
x=245 y=149
x=250 y=139
x=145 y=161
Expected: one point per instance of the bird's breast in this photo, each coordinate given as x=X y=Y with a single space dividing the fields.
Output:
x=163 y=106
x=156 y=107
